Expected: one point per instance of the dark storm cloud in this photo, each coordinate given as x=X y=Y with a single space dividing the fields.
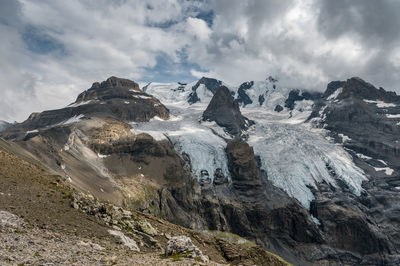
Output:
x=375 y=22
x=10 y=13
x=376 y=26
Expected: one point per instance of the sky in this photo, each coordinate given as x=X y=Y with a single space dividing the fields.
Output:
x=51 y=50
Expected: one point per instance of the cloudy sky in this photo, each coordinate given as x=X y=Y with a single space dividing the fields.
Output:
x=53 y=49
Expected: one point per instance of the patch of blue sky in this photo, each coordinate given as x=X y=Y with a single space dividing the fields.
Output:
x=40 y=42
x=207 y=16
x=167 y=70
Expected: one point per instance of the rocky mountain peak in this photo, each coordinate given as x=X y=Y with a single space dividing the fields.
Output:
x=357 y=88
x=114 y=82
x=225 y=111
x=115 y=98
x=113 y=87
x=210 y=84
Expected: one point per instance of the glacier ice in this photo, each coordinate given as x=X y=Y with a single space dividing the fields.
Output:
x=295 y=155
x=296 y=158
x=199 y=141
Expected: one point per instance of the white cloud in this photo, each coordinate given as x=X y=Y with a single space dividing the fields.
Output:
x=305 y=43
x=198 y=28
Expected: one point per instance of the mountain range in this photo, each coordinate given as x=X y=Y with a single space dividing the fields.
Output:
x=310 y=176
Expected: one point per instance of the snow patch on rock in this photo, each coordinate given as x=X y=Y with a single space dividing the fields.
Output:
x=393 y=115
x=335 y=94
x=362 y=156
x=344 y=138
x=380 y=104
x=388 y=171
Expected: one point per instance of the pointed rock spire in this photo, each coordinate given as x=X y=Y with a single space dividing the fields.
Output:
x=224 y=110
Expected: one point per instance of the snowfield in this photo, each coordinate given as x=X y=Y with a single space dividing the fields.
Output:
x=294 y=154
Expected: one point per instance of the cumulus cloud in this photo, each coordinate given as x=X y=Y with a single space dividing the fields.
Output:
x=52 y=50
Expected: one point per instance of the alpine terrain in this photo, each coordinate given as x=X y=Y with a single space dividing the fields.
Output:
x=236 y=173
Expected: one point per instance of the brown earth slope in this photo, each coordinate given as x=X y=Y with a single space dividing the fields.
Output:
x=51 y=231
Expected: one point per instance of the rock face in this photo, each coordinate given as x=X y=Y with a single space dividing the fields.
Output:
x=367 y=116
x=364 y=120
x=113 y=87
x=242 y=165
x=243 y=98
x=295 y=95
x=278 y=108
x=210 y=84
x=224 y=110
x=358 y=88
x=332 y=87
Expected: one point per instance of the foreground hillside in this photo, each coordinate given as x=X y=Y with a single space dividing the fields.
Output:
x=39 y=225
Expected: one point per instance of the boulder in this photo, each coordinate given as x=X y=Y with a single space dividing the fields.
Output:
x=184 y=245
x=123 y=239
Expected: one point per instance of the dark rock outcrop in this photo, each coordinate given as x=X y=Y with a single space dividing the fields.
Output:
x=242 y=165
x=261 y=99
x=278 y=108
x=210 y=84
x=219 y=177
x=358 y=88
x=224 y=110
x=243 y=98
x=296 y=95
x=332 y=87
x=113 y=87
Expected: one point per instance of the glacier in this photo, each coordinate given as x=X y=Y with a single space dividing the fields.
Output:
x=295 y=155
x=199 y=141
x=296 y=159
